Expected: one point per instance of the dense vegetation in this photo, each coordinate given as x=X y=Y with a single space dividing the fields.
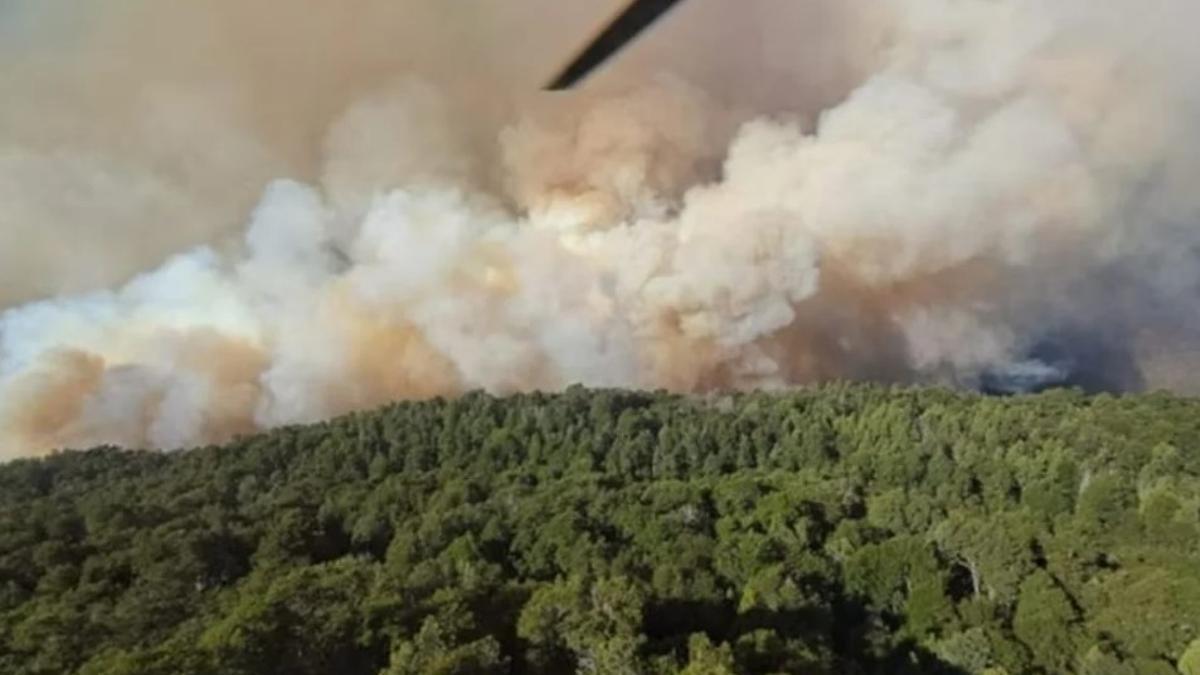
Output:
x=847 y=529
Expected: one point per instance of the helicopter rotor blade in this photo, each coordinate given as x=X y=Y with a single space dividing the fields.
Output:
x=620 y=32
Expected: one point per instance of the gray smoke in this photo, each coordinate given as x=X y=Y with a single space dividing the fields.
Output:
x=987 y=193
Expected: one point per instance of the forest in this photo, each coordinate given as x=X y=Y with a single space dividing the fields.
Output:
x=841 y=529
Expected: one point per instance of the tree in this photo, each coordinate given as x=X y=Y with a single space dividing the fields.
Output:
x=997 y=552
x=1047 y=623
x=1189 y=663
x=704 y=658
x=834 y=529
x=598 y=622
x=442 y=648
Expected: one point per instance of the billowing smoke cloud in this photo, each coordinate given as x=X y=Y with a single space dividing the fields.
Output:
x=986 y=193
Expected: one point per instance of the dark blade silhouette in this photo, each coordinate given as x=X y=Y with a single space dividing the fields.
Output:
x=635 y=19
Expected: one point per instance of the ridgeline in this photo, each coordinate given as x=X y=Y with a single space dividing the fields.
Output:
x=843 y=529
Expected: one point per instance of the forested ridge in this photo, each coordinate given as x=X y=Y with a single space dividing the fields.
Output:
x=842 y=529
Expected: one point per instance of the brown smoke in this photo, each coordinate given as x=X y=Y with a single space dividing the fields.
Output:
x=990 y=193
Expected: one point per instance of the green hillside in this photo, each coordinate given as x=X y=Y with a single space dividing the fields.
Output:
x=841 y=530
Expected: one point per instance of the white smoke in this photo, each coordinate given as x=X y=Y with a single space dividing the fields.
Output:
x=990 y=170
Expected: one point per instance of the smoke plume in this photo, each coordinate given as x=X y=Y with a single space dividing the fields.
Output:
x=246 y=215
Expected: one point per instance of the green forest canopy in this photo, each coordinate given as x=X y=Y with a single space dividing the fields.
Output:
x=842 y=529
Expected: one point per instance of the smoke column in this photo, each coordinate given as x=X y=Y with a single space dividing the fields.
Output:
x=219 y=217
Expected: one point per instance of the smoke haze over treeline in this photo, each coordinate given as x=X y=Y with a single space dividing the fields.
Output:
x=222 y=216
